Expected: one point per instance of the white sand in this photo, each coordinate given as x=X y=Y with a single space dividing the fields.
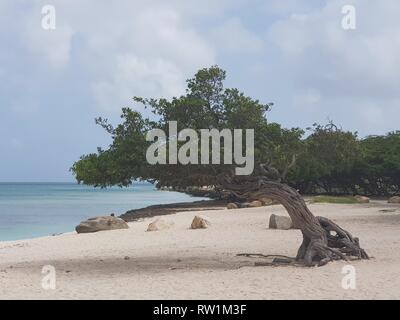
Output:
x=180 y=263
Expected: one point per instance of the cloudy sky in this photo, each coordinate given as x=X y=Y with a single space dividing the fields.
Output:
x=293 y=53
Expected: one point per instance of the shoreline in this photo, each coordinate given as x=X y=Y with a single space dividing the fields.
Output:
x=180 y=263
x=149 y=212
x=41 y=209
x=172 y=208
x=162 y=210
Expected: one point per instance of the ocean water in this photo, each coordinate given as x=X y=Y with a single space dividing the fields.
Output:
x=29 y=210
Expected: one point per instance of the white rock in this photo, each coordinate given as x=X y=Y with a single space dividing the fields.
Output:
x=200 y=222
x=232 y=206
x=159 y=224
x=255 y=204
x=395 y=199
x=101 y=223
x=280 y=222
x=362 y=199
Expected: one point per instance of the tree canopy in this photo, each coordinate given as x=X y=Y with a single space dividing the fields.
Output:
x=206 y=104
x=327 y=160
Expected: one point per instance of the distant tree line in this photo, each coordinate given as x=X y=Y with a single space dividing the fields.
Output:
x=334 y=161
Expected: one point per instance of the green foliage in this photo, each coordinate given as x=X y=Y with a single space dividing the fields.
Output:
x=329 y=160
x=206 y=104
x=124 y=161
x=379 y=170
x=330 y=155
x=337 y=162
x=335 y=200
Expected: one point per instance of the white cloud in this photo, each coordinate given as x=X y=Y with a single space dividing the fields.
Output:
x=156 y=54
x=53 y=45
x=102 y=53
x=356 y=67
x=279 y=7
x=49 y=46
x=150 y=48
x=134 y=76
x=370 y=53
x=130 y=48
x=233 y=37
x=151 y=52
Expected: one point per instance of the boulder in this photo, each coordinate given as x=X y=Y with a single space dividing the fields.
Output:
x=159 y=224
x=362 y=199
x=255 y=204
x=200 y=222
x=232 y=206
x=243 y=205
x=101 y=223
x=395 y=199
x=280 y=222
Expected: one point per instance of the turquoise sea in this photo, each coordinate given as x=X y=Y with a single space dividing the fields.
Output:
x=29 y=210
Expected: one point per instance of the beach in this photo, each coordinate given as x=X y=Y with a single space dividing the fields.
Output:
x=31 y=210
x=180 y=263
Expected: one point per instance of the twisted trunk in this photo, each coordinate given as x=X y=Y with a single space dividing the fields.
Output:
x=323 y=240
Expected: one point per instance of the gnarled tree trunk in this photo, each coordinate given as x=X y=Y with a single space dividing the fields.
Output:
x=323 y=240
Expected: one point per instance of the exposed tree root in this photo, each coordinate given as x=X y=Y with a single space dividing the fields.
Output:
x=280 y=260
x=275 y=260
x=342 y=239
x=323 y=240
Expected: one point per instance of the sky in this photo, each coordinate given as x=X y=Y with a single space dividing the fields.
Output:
x=102 y=53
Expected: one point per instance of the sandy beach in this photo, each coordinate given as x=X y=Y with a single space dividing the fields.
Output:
x=180 y=263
